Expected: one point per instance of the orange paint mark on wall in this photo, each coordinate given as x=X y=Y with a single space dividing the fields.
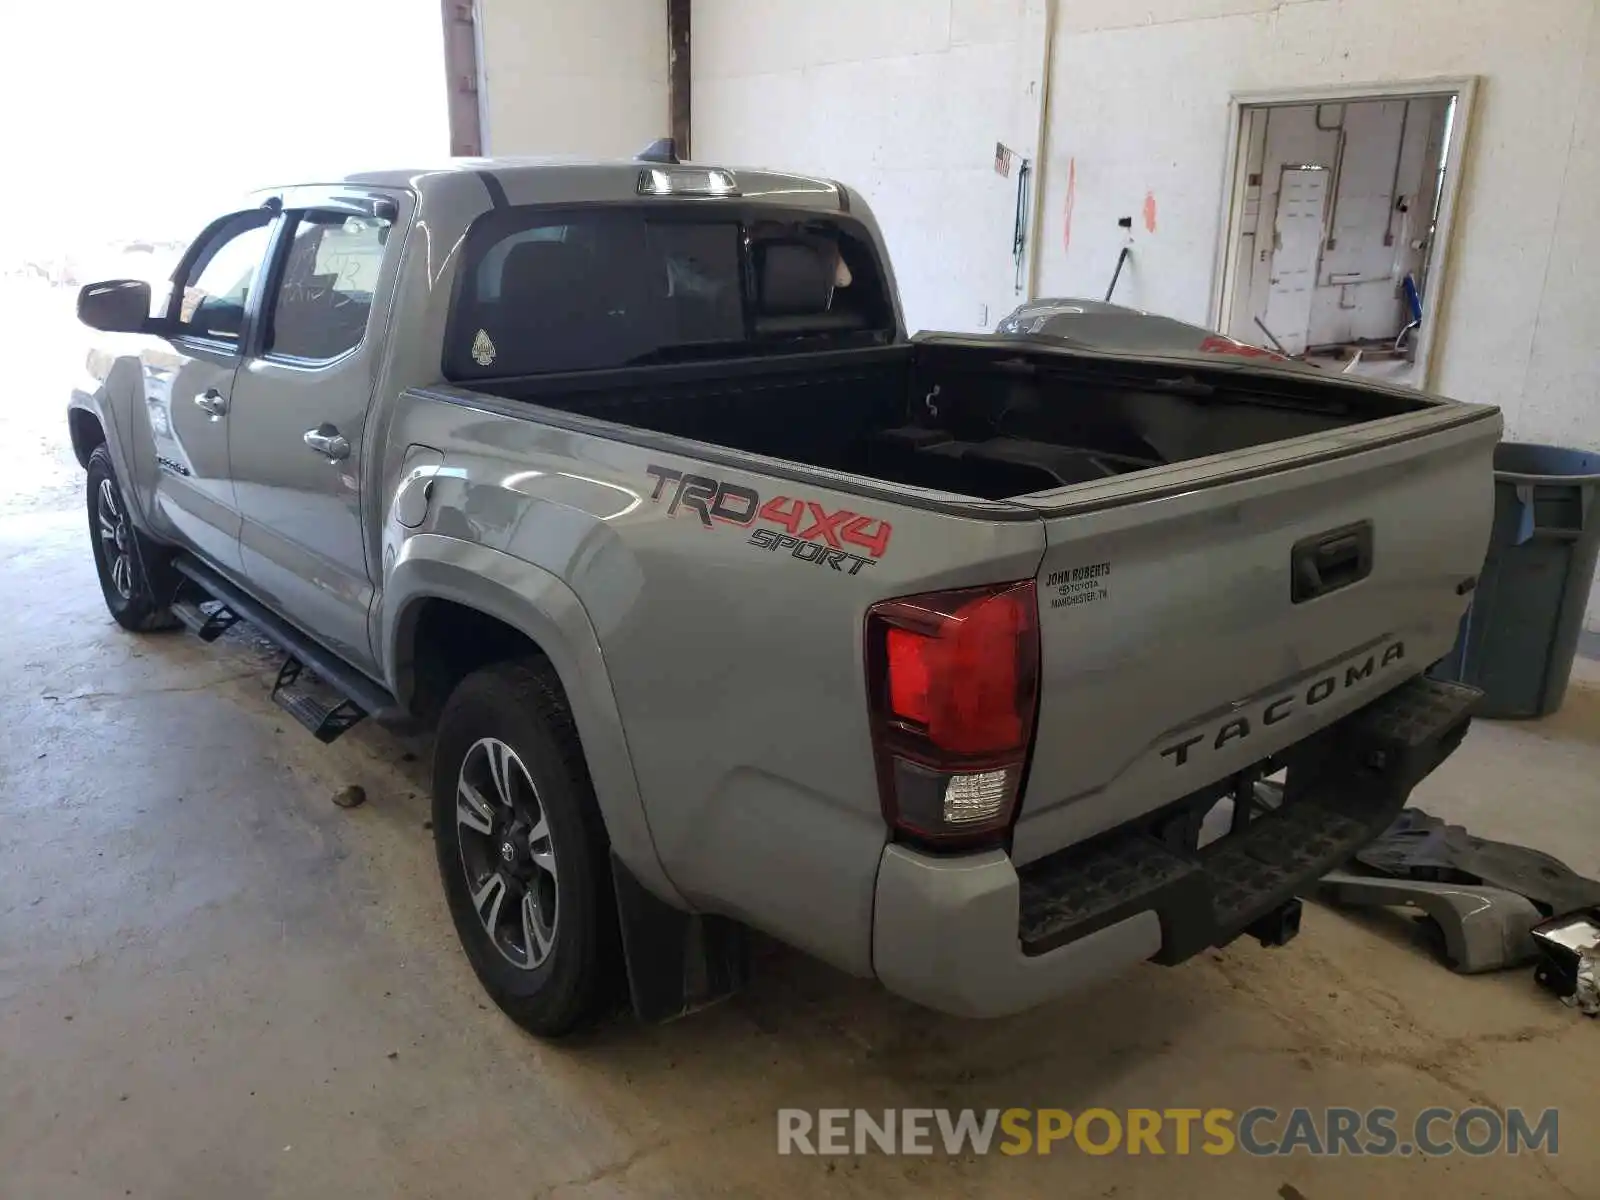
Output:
x=1150 y=211
x=1072 y=198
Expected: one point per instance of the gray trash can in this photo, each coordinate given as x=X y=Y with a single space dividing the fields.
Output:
x=1518 y=639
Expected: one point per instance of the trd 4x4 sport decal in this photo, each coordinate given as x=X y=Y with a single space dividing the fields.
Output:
x=804 y=529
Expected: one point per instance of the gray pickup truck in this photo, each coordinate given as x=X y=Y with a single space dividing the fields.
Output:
x=983 y=665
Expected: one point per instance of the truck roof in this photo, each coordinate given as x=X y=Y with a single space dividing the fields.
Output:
x=533 y=180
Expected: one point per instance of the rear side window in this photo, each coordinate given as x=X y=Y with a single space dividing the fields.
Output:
x=324 y=295
x=546 y=291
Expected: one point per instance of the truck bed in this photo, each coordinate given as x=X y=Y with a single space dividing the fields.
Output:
x=1231 y=556
x=976 y=417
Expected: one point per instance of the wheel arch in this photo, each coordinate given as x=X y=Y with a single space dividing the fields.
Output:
x=86 y=431
x=450 y=607
x=94 y=419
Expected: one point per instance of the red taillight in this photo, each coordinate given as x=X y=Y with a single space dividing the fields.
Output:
x=954 y=681
x=908 y=675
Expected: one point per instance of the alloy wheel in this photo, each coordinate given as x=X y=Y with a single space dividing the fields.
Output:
x=115 y=539
x=507 y=853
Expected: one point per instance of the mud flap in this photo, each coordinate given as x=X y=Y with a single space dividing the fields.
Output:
x=677 y=962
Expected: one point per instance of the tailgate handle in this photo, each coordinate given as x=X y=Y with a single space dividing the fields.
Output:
x=1329 y=561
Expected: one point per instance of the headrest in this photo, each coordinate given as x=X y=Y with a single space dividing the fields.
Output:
x=796 y=277
x=543 y=273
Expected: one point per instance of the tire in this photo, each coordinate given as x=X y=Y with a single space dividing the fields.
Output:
x=550 y=966
x=123 y=557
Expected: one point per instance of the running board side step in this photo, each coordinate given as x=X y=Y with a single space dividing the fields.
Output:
x=339 y=697
x=208 y=626
x=327 y=717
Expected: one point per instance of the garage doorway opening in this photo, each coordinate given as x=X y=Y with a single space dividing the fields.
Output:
x=1337 y=223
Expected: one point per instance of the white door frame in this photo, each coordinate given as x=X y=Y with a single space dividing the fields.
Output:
x=1464 y=88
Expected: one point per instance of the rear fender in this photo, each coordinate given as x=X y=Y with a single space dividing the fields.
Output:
x=543 y=608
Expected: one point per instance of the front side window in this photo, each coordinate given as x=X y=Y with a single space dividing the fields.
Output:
x=216 y=286
x=325 y=290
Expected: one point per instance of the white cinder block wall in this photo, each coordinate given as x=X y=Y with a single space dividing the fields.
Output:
x=903 y=99
x=906 y=98
x=1139 y=104
x=564 y=77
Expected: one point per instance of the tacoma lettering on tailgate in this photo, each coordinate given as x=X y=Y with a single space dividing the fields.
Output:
x=1280 y=708
x=804 y=529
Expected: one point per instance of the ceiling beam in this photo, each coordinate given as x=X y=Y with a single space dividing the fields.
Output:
x=461 y=77
x=678 y=75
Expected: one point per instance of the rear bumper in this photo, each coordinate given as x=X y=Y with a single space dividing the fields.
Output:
x=974 y=937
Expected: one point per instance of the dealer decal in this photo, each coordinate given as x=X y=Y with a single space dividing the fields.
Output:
x=1088 y=584
x=803 y=529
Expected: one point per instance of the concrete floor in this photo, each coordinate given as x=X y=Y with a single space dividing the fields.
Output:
x=213 y=982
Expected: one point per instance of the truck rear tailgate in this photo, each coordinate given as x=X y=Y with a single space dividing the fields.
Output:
x=1198 y=618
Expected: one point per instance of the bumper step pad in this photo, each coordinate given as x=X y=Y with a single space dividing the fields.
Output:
x=1357 y=778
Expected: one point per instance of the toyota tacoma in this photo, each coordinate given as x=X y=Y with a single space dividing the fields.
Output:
x=986 y=666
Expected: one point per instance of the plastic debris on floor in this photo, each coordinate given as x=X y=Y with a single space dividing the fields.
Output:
x=1496 y=904
x=1420 y=846
x=1569 y=960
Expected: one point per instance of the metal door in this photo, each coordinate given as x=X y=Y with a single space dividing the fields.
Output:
x=298 y=438
x=189 y=391
x=1297 y=248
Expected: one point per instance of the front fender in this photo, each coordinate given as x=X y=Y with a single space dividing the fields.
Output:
x=537 y=603
x=90 y=398
x=111 y=391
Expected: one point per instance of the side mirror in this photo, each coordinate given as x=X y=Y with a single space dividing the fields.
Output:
x=115 y=306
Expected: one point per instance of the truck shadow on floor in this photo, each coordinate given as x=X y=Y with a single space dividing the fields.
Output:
x=818 y=1032
x=838 y=1022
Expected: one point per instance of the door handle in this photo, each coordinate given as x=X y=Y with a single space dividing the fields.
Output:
x=213 y=402
x=326 y=439
x=1330 y=561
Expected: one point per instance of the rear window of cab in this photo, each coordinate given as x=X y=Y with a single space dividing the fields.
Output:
x=543 y=291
